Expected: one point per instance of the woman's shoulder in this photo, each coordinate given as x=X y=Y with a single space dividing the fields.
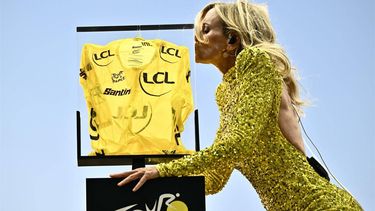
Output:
x=253 y=59
x=253 y=54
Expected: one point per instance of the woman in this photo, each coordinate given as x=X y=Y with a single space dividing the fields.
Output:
x=259 y=104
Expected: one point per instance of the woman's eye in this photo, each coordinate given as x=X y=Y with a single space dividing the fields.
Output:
x=206 y=30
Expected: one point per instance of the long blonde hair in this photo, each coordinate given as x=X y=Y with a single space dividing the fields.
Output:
x=252 y=24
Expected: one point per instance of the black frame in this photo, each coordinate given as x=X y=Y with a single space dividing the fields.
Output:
x=135 y=160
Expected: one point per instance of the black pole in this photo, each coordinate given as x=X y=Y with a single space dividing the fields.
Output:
x=78 y=119
x=134 y=27
x=196 y=123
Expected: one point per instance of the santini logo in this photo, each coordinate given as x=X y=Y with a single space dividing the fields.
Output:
x=165 y=200
x=109 y=91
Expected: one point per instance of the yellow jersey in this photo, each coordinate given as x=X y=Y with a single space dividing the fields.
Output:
x=138 y=96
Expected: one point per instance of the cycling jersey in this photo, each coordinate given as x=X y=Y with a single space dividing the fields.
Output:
x=138 y=96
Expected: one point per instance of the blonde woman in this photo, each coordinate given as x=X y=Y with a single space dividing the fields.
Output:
x=259 y=104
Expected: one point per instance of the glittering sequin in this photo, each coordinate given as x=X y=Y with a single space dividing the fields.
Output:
x=250 y=141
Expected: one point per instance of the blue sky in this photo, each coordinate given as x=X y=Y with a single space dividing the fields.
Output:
x=332 y=44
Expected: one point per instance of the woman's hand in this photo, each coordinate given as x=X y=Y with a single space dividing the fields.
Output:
x=143 y=173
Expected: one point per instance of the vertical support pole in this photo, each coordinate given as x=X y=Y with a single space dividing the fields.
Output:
x=78 y=119
x=196 y=124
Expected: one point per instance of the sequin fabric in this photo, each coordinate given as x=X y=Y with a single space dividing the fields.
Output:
x=249 y=140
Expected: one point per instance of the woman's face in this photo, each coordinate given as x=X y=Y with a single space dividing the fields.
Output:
x=211 y=51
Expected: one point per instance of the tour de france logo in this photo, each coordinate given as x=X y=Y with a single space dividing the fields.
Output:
x=166 y=202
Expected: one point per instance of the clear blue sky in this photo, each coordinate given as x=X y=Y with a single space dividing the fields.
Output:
x=332 y=43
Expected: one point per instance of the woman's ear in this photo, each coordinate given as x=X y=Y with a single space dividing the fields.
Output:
x=233 y=41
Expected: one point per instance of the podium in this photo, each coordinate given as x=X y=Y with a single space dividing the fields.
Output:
x=162 y=194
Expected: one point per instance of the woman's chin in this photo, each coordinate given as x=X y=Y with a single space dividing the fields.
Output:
x=200 y=60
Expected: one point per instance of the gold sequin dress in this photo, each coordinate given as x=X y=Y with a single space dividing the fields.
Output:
x=249 y=140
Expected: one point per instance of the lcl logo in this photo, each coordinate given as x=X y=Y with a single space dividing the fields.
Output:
x=157 y=78
x=170 y=55
x=103 y=58
x=156 y=84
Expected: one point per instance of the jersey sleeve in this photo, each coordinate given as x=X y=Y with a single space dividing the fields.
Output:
x=185 y=105
x=84 y=79
x=251 y=103
x=188 y=94
x=84 y=69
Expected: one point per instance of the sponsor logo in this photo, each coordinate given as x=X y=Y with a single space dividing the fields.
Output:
x=93 y=125
x=117 y=77
x=82 y=71
x=149 y=81
x=140 y=117
x=170 y=51
x=169 y=152
x=82 y=74
x=113 y=92
x=188 y=76
x=157 y=78
x=146 y=44
x=136 y=49
x=103 y=58
x=166 y=200
x=170 y=55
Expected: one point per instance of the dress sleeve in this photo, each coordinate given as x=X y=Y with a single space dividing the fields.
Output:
x=251 y=99
x=216 y=179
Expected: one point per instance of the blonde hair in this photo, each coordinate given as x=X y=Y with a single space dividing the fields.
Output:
x=252 y=24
